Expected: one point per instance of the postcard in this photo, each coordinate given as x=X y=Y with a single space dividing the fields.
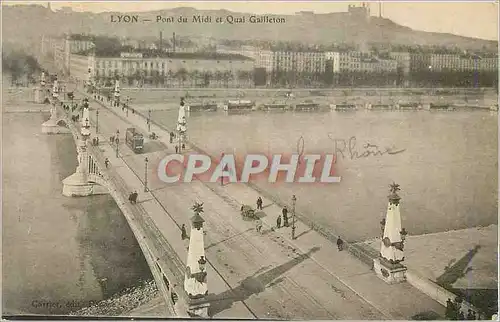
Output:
x=250 y=160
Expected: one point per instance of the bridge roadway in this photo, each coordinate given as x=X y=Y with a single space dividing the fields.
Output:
x=245 y=281
x=254 y=275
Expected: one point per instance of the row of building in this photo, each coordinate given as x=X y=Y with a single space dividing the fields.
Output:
x=247 y=59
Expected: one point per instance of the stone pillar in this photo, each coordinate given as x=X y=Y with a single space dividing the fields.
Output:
x=55 y=89
x=117 y=92
x=388 y=266
x=195 y=281
x=181 y=124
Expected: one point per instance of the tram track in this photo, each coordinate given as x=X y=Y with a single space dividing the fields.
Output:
x=234 y=204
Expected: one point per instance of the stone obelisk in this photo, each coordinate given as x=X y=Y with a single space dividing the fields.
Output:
x=195 y=281
x=181 y=126
x=388 y=265
x=117 y=93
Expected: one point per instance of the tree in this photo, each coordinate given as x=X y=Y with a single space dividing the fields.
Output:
x=181 y=75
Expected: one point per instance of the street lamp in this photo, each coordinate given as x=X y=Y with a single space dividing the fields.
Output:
x=97 y=122
x=146 y=175
x=126 y=106
x=149 y=120
x=294 y=200
x=117 y=141
x=431 y=77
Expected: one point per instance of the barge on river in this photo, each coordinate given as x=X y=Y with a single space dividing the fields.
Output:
x=440 y=107
x=306 y=106
x=343 y=107
x=201 y=106
x=239 y=105
x=274 y=106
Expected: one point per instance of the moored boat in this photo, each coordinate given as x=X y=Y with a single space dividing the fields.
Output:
x=306 y=106
x=239 y=105
x=201 y=106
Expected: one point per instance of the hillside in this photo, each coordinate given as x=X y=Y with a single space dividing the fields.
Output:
x=29 y=22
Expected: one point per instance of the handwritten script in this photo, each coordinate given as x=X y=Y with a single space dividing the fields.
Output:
x=348 y=147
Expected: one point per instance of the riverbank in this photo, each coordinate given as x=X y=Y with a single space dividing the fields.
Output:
x=59 y=254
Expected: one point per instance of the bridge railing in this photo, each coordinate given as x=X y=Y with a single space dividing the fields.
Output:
x=165 y=254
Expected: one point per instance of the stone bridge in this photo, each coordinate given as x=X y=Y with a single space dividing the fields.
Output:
x=93 y=177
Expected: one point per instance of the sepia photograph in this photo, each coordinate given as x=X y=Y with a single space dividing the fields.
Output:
x=318 y=160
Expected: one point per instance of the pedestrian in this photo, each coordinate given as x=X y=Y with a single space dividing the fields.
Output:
x=176 y=149
x=183 y=146
x=285 y=216
x=183 y=232
x=97 y=140
x=449 y=311
x=259 y=203
x=340 y=244
x=278 y=222
x=258 y=226
x=106 y=162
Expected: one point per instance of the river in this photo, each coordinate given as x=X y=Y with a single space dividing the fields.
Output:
x=59 y=254
x=448 y=171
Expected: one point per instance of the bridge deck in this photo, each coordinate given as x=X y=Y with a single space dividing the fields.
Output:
x=268 y=275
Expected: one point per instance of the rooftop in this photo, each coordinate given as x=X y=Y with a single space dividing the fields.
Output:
x=81 y=37
x=116 y=53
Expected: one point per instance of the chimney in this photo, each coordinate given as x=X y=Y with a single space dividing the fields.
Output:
x=173 y=42
x=161 y=40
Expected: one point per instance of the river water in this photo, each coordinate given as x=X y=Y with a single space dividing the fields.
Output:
x=59 y=254
x=448 y=172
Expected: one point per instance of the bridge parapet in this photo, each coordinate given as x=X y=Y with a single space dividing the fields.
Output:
x=166 y=266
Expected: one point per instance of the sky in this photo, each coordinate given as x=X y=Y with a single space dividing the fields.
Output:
x=472 y=19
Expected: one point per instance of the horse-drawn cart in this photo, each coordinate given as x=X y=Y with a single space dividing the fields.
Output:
x=248 y=212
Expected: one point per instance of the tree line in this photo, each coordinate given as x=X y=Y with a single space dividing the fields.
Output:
x=20 y=65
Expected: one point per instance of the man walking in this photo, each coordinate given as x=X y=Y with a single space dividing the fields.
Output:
x=183 y=232
x=340 y=244
x=106 y=162
x=278 y=222
x=259 y=203
x=285 y=216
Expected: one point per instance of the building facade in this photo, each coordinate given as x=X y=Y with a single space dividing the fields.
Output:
x=302 y=62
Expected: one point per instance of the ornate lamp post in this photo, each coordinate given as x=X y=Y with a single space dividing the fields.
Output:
x=146 y=174
x=126 y=105
x=149 y=120
x=294 y=200
x=117 y=141
x=97 y=121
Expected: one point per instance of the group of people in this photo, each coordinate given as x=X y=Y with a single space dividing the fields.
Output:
x=284 y=215
x=454 y=311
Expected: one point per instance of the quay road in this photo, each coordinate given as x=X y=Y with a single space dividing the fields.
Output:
x=253 y=275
